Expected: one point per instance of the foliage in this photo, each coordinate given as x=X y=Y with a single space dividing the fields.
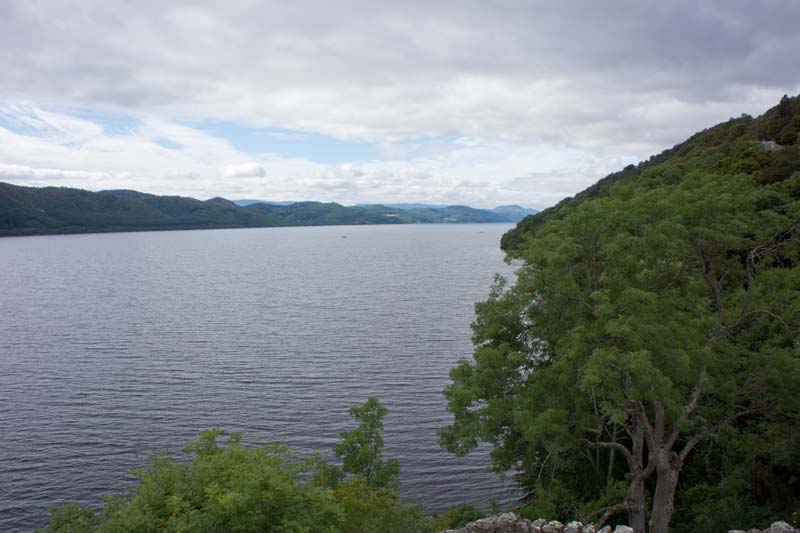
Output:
x=732 y=142
x=232 y=487
x=370 y=510
x=360 y=449
x=222 y=488
x=654 y=313
x=72 y=518
x=455 y=517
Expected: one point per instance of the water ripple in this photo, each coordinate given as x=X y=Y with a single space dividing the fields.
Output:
x=118 y=345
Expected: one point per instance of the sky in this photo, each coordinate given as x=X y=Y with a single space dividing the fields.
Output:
x=481 y=103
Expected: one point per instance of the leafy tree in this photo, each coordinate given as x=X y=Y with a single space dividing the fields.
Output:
x=653 y=314
x=222 y=488
x=232 y=487
x=370 y=510
x=455 y=517
x=72 y=518
x=360 y=449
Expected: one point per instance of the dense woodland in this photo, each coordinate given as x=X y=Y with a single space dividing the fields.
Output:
x=48 y=210
x=643 y=369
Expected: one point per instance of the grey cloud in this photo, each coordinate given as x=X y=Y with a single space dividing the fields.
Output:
x=404 y=69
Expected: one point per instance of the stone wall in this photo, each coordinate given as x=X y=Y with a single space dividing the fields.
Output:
x=511 y=523
x=776 y=527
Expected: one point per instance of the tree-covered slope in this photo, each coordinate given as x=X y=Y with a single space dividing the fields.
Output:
x=31 y=211
x=766 y=148
x=643 y=367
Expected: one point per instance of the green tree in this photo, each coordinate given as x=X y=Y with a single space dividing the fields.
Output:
x=72 y=518
x=455 y=517
x=367 y=509
x=360 y=449
x=220 y=488
x=653 y=315
x=232 y=487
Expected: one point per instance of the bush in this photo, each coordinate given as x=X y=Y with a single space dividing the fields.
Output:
x=230 y=487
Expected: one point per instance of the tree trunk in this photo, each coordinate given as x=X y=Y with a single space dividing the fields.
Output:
x=668 y=467
x=635 y=497
x=635 y=503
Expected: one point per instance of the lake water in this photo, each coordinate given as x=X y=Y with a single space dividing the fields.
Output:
x=114 y=346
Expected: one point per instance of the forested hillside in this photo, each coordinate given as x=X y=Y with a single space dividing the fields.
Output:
x=644 y=367
x=36 y=211
x=766 y=148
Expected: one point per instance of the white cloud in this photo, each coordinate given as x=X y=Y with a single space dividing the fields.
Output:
x=244 y=170
x=476 y=171
x=37 y=176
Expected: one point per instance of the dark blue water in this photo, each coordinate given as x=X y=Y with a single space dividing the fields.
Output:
x=114 y=346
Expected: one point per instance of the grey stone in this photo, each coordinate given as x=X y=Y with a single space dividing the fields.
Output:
x=779 y=527
x=503 y=523
x=772 y=146
x=511 y=523
x=553 y=526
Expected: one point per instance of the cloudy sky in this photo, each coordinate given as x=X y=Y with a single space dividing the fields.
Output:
x=471 y=102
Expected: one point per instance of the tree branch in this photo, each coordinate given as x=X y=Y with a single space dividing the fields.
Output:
x=613 y=446
x=675 y=279
x=607 y=513
x=779 y=319
x=688 y=410
x=750 y=269
x=713 y=430
x=641 y=413
x=541 y=468
x=660 y=421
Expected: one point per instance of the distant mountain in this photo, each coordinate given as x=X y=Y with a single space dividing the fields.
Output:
x=245 y=202
x=455 y=213
x=49 y=210
x=509 y=213
x=517 y=212
x=407 y=207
